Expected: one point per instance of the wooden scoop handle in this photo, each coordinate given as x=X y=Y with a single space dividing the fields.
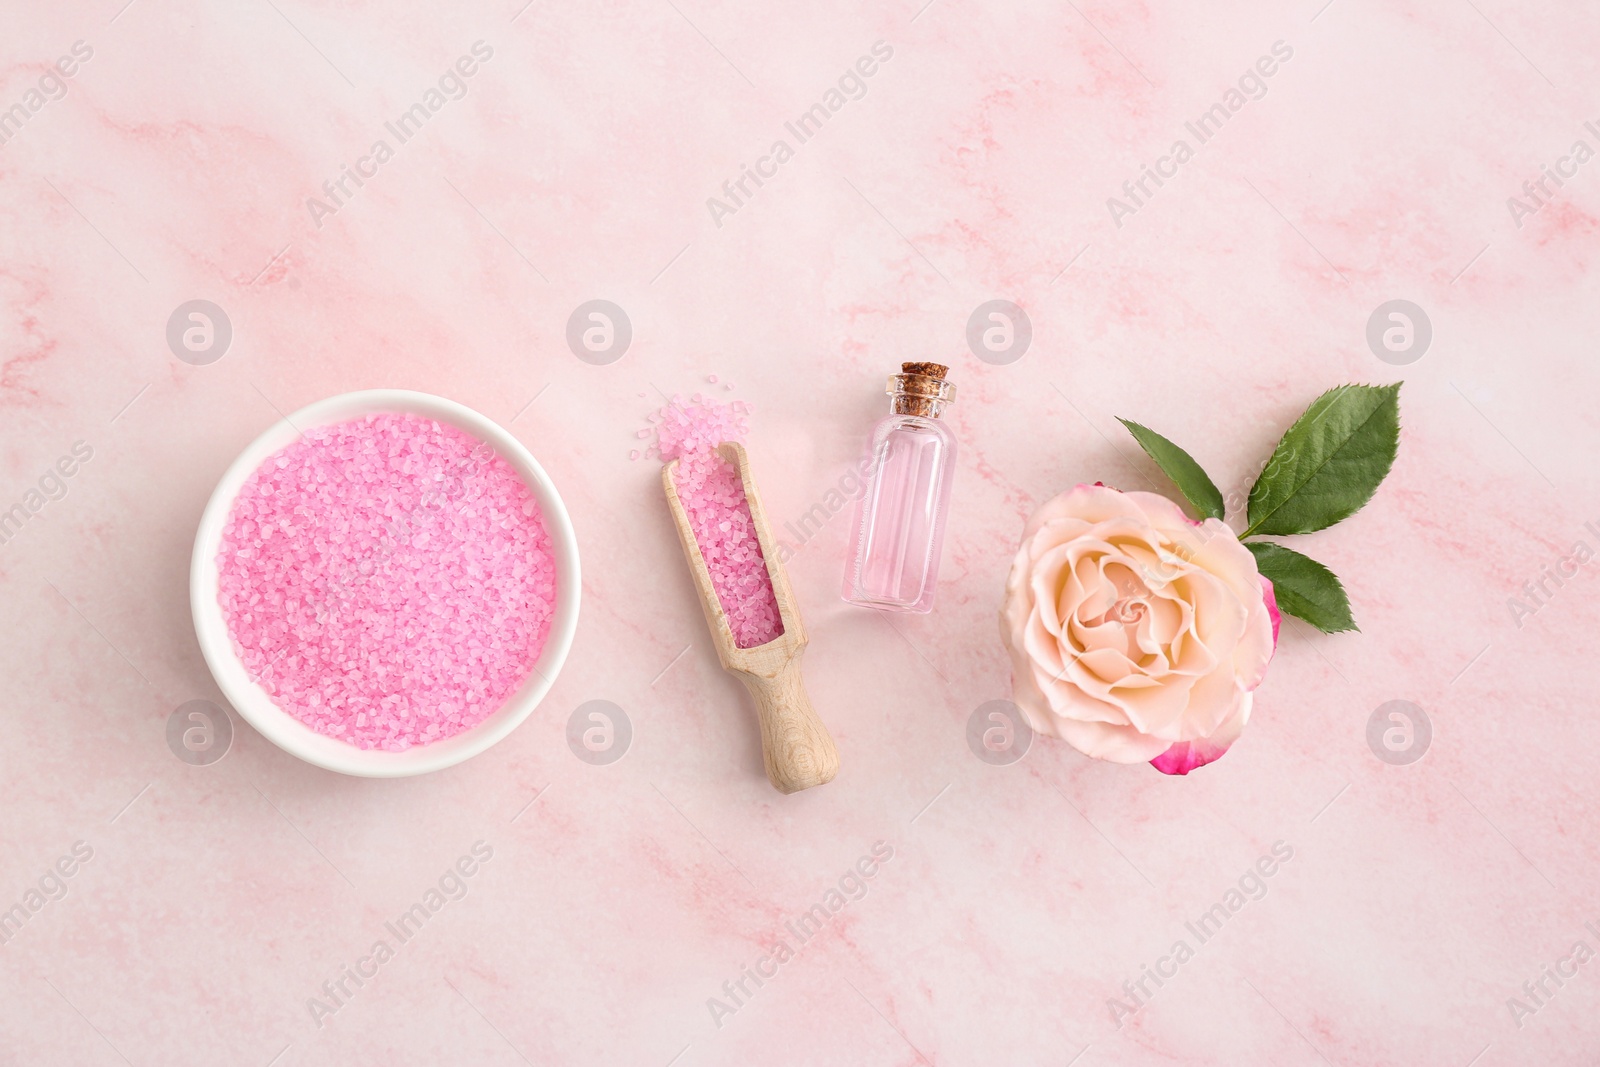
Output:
x=796 y=748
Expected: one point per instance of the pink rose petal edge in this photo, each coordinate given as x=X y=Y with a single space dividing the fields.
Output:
x=1185 y=756
x=1270 y=595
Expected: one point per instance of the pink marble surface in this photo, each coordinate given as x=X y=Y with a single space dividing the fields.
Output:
x=976 y=166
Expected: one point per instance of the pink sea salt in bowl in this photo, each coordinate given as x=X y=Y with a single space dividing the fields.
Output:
x=482 y=654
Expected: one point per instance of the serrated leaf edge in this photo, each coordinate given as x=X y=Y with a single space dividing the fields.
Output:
x=1352 y=628
x=1200 y=507
x=1250 y=530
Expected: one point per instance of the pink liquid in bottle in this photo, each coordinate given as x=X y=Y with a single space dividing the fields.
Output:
x=893 y=556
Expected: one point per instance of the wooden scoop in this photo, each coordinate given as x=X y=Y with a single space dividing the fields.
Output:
x=795 y=746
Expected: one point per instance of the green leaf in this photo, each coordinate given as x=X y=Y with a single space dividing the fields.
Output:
x=1304 y=588
x=1197 y=488
x=1330 y=461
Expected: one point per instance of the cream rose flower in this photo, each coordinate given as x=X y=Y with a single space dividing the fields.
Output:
x=1135 y=633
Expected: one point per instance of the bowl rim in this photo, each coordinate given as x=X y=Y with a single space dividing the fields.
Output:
x=283 y=729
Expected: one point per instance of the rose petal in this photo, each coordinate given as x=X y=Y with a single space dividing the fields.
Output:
x=1259 y=641
x=1185 y=756
x=1270 y=596
x=1117 y=744
x=1058 y=698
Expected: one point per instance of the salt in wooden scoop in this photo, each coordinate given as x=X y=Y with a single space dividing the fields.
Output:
x=795 y=745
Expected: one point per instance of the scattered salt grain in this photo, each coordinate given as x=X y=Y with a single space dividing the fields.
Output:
x=388 y=580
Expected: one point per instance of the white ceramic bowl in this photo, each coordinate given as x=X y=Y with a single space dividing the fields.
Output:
x=289 y=733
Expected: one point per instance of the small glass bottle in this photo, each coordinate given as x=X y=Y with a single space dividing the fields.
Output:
x=893 y=556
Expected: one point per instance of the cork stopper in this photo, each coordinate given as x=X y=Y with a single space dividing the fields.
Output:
x=920 y=389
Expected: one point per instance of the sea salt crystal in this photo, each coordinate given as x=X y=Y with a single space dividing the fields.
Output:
x=712 y=496
x=389 y=580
